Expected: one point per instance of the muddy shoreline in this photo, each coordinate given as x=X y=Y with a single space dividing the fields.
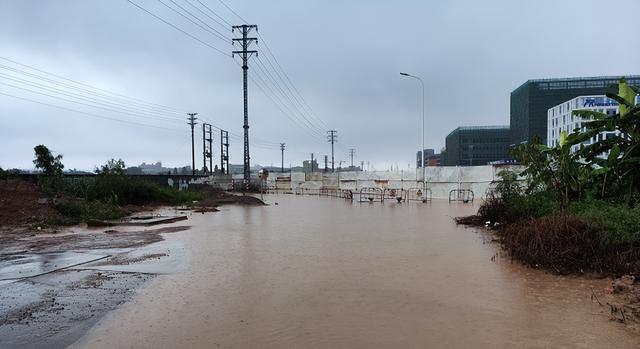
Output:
x=55 y=284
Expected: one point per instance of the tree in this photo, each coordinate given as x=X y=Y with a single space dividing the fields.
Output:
x=47 y=163
x=112 y=167
x=555 y=169
x=616 y=159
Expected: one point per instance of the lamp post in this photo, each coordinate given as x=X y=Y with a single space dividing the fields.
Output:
x=424 y=176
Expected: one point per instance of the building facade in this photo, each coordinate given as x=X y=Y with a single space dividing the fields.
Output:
x=477 y=145
x=561 y=118
x=427 y=154
x=531 y=101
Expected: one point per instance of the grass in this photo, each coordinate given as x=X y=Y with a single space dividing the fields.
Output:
x=104 y=197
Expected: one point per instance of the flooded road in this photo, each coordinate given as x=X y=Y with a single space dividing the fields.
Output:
x=316 y=272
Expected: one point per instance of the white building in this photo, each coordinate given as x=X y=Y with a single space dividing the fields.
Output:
x=560 y=118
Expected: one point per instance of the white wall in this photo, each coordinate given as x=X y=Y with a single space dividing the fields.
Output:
x=441 y=180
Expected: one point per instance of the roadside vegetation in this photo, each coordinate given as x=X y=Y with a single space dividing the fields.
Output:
x=575 y=211
x=108 y=195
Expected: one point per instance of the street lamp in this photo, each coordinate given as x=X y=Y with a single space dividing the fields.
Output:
x=424 y=176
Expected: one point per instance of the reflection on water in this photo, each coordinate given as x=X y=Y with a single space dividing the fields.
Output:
x=325 y=273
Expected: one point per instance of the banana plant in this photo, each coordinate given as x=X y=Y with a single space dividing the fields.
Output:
x=615 y=161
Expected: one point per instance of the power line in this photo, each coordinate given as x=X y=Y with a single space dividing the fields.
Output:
x=179 y=29
x=304 y=102
x=89 y=114
x=114 y=107
x=293 y=119
x=226 y=24
x=76 y=102
x=134 y=100
x=320 y=130
x=311 y=127
x=232 y=11
x=80 y=89
x=147 y=109
x=210 y=30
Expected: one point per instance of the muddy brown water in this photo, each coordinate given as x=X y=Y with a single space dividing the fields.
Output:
x=324 y=273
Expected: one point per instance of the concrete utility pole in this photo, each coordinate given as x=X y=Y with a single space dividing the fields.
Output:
x=245 y=53
x=192 y=122
x=224 y=152
x=332 y=137
x=311 y=162
x=361 y=165
x=424 y=168
x=352 y=152
x=326 y=163
x=207 y=146
x=282 y=146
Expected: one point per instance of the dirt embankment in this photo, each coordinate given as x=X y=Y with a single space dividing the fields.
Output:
x=566 y=245
x=22 y=203
x=215 y=197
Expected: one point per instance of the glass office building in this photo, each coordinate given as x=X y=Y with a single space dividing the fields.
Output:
x=531 y=101
x=477 y=145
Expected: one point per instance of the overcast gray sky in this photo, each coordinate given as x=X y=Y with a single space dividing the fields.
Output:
x=344 y=57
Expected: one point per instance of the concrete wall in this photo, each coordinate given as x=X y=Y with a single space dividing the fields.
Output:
x=441 y=180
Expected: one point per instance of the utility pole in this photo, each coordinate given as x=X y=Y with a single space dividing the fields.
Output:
x=224 y=152
x=207 y=146
x=282 y=146
x=352 y=152
x=192 y=122
x=332 y=137
x=326 y=163
x=245 y=53
x=361 y=165
x=311 y=162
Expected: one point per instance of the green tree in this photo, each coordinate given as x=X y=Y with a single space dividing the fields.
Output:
x=112 y=167
x=47 y=163
x=615 y=160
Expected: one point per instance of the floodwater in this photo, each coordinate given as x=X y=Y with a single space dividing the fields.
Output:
x=316 y=272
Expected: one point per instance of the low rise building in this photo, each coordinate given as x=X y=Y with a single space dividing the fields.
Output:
x=561 y=117
x=477 y=145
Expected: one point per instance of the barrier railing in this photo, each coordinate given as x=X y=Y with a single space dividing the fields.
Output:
x=371 y=194
x=462 y=195
x=393 y=194
x=418 y=194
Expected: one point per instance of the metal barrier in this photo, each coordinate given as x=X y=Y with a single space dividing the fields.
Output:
x=463 y=195
x=346 y=194
x=418 y=194
x=393 y=194
x=329 y=192
x=370 y=194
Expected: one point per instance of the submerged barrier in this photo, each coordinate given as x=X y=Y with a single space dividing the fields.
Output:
x=462 y=195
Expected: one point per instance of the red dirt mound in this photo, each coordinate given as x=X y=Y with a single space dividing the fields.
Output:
x=19 y=203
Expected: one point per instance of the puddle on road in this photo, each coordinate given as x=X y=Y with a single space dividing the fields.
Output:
x=20 y=266
x=317 y=272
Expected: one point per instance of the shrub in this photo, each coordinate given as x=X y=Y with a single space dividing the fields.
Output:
x=76 y=211
x=616 y=223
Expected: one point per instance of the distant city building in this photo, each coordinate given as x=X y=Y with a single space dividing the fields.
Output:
x=309 y=166
x=152 y=168
x=561 y=118
x=477 y=145
x=420 y=159
x=531 y=101
x=433 y=160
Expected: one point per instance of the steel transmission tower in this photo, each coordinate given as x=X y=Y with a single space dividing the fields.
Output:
x=192 y=122
x=224 y=152
x=245 y=41
x=282 y=146
x=332 y=137
x=207 y=147
x=352 y=152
